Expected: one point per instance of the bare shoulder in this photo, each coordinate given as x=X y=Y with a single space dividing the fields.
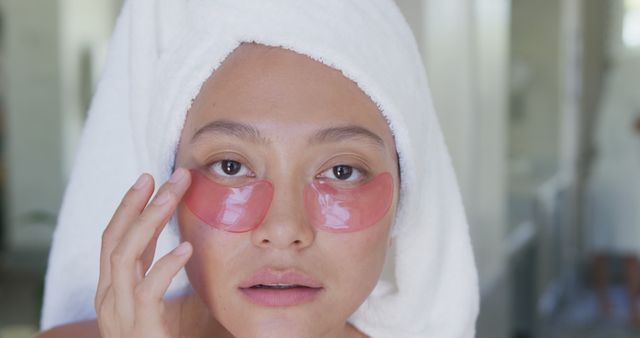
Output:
x=84 y=329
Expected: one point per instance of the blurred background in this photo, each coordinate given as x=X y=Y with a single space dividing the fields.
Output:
x=540 y=105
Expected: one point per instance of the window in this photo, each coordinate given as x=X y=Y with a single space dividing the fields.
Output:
x=631 y=23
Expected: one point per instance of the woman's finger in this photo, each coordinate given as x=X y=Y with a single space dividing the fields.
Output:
x=127 y=255
x=150 y=292
x=177 y=186
x=129 y=209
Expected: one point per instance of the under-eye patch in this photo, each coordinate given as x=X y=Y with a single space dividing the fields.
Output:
x=234 y=209
x=332 y=209
x=345 y=210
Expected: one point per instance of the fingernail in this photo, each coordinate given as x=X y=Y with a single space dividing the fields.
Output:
x=162 y=199
x=177 y=176
x=141 y=182
x=181 y=249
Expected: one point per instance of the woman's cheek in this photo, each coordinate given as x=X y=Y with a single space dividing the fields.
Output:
x=358 y=257
x=203 y=268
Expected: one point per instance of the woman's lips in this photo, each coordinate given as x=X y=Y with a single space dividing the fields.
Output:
x=281 y=297
x=271 y=287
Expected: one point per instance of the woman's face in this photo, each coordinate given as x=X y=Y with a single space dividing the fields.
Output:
x=272 y=114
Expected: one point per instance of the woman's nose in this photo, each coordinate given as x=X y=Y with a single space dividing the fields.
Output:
x=285 y=225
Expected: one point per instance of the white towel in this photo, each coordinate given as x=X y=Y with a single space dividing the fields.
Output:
x=161 y=53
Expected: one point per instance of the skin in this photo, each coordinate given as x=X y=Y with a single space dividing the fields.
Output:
x=287 y=98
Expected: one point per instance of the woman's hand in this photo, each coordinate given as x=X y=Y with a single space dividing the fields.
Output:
x=129 y=301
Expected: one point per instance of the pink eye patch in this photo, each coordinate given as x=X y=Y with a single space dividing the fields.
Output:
x=241 y=209
x=346 y=210
x=228 y=208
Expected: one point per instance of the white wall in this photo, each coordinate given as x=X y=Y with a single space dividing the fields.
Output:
x=44 y=88
x=33 y=124
x=534 y=128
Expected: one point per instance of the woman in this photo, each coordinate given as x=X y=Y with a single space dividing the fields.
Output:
x=326 y=116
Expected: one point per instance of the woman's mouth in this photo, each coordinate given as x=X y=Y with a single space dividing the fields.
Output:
x=270 y=287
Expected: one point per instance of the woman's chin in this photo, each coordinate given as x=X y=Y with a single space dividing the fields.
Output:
x=275 y=330
x=276 y=325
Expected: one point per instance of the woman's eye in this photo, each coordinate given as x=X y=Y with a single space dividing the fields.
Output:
x=230 y=168
x=343 y=173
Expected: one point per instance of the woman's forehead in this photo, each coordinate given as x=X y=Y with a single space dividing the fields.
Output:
x=274 y=87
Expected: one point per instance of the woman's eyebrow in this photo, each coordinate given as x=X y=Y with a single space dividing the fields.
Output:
x=231 y=128
x=337 y=134
x=251 y=133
